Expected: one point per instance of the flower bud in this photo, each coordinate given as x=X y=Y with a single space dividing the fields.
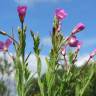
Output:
x=19 y=30
x=79 y=45
x=25 y=27
x=22 y=12
x=93 y=53
x=63 y=51
x=3 y=32
x=5 y=49
x=79 y=27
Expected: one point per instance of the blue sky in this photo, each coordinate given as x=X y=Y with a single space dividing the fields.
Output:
x=39 y=18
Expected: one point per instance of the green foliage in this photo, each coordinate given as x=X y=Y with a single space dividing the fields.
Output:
x=3 y=88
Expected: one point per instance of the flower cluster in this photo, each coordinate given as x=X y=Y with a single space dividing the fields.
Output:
x=72 y=40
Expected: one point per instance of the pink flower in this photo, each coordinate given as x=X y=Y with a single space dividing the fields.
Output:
x=63 y=51
x=22 y=12
x=78 y=27
x=4 y=45
x=60 y=14
x=93 y=53
x=73 y=42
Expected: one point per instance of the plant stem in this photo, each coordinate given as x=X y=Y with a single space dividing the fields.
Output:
x=23 y=41
x=65 y=67
x=84 y=88
x=76 y=54
x=23 y=55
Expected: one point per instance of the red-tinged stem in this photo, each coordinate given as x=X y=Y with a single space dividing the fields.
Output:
x=88 y=60
x=76 y=54
x=65 y=61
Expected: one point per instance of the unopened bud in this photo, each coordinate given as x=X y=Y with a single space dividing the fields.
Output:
x=3 y=32
x=25 y=27
x=19 y=30
x=93 y=53
x=79 y=45
x=79 y=27
x=5 y=49
x=63 y=51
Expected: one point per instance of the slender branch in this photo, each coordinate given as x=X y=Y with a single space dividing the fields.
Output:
x=4 y=33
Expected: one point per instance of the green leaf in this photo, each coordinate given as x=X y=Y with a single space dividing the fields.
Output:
x=70 y=56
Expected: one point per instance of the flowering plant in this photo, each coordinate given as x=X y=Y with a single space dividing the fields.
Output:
x=62 y=77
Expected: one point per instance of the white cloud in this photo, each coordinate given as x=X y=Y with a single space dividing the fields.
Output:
x=82 y=60
x=46 y=41
x=33 y=63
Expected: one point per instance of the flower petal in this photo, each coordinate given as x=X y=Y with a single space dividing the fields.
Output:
x=8 y=42
x=1 y=45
